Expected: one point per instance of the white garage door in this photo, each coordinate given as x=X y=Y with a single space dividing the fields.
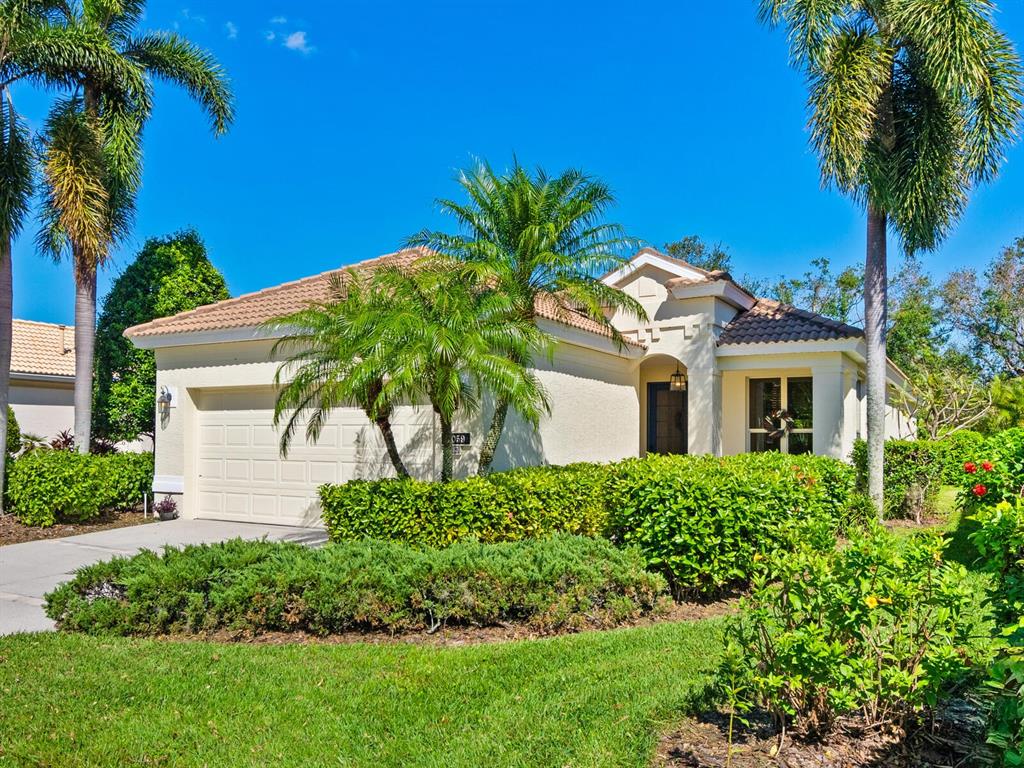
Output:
x=241 y=475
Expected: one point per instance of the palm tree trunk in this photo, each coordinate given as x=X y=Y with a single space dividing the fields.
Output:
x=384 y=425
x=490 y=444
x=6 y=314
x=447 y=450
x=875 y=289
x=85 y=342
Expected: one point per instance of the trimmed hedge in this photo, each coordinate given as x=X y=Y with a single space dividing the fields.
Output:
x=507 y=506
x=46 y=486
x=914 y=471
x=556 y=584
x=699 y=520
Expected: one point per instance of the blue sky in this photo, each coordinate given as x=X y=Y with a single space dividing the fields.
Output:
x=352 y=117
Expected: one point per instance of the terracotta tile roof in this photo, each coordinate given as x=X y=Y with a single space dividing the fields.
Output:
x=253 y=309
x=42 y=348
x=770 y=321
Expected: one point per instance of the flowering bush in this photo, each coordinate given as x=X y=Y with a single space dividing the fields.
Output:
x=995 y=473
x=882 y=626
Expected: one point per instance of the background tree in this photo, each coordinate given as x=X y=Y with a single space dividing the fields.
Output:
x=693 y=250
x=169 y=275
x=92 y=155
x=837 y=296
x=990 y=311
x=912 y=103
x=535 y=237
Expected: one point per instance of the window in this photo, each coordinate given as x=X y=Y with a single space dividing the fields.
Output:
x=769 y=397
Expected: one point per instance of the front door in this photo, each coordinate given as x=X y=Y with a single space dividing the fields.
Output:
x=666 y=419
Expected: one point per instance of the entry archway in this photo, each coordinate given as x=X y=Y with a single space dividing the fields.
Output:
x=664 y=405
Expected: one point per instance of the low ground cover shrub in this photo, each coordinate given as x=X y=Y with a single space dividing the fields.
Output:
x=883 y=626
x=699 y=520
x=47 y=486
x=560 y=583
x=914 y=471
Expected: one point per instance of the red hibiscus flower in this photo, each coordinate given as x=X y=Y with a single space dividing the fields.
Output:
x=970 y=467
x=987 y=466
x=979 y=490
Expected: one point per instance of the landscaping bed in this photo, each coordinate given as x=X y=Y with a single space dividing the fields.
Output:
x=13 y=531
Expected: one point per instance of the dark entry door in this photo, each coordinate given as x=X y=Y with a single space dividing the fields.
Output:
x=666 y=419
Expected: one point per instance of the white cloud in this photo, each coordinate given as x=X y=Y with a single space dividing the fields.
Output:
x=269 y=36
x=296 y=41
x=279 y=20
x=189 y=16
x=231 y=30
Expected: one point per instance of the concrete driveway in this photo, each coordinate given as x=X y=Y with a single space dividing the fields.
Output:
x=30 y=570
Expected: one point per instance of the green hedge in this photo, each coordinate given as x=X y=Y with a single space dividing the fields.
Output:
x=46 y=486
x=556 y=584
x=507 y=506
x=996 y=471
x=955 y=450
x=913 y=475
x=699 y=520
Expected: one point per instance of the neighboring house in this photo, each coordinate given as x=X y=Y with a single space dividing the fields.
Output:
x=742 y=359
x=43 y=377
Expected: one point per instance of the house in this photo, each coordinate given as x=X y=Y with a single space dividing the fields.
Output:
x=43 y=377
x=710 y=372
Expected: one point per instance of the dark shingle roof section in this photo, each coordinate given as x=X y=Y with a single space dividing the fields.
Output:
x=769 y=321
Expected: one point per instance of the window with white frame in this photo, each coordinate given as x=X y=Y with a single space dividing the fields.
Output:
x=781 y=411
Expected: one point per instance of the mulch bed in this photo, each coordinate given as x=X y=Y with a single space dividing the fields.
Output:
x=459 y=635
x=953 y=739
x=13 y=532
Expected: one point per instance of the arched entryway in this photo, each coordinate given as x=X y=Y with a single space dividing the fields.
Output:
x=664 y=405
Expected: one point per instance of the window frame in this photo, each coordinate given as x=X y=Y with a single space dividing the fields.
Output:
x=784 y=404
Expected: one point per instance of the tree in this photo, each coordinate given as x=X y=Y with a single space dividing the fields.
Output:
x=948 y=395
x=36 y=49
x=912 y=104
x=448 y=339
x=693 y=250
x=92 y=155
x=991 y=312
x=535 y=237
x=169 y=275
x=819 y=290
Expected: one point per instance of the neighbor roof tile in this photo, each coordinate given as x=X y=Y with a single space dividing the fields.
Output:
x=45 y=349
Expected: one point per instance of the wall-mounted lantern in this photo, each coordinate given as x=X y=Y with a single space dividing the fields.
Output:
x=163 y=401
x=677 y=381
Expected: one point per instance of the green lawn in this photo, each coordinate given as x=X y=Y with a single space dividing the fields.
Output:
x=593 y=699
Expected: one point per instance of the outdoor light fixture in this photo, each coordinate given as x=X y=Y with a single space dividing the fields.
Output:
x=163 y=400
x=677 y=381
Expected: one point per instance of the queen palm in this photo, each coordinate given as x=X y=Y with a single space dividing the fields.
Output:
x=92 y=155
x=34 y=47
x=912 y=102
x=534 y=237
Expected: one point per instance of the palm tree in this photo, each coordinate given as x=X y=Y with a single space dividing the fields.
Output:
x=533 y=236
x=92 y=155
x=329 y=362
x=34 y=47
x=912 y=102
x=447 y=339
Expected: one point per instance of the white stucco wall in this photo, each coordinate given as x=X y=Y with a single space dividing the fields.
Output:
x=43 y=409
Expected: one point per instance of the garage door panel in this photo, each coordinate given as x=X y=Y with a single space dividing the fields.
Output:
x=243 y=477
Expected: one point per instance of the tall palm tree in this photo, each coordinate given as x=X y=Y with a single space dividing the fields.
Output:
x=329 y=362
x=34 y=47
x=92 y=155
x=912 y=102
x=532 y=235
x=448 y=340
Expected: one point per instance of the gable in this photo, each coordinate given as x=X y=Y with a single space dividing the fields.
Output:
x=655 y=264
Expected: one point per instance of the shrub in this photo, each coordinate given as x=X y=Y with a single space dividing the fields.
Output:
x=13 y=433
x=561 y=583
x=955 y=450
x=46 y=486
x=882 y=626
x=702 y=521
x=913 y=475
x=995 y=473
x=507 y=506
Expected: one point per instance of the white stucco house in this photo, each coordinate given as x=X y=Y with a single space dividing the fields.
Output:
x=43 y=377
x=708 y=373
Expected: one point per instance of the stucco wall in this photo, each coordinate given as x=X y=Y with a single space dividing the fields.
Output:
x=43 y=409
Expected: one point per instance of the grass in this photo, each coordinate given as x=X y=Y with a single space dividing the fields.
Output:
x=593 y=699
